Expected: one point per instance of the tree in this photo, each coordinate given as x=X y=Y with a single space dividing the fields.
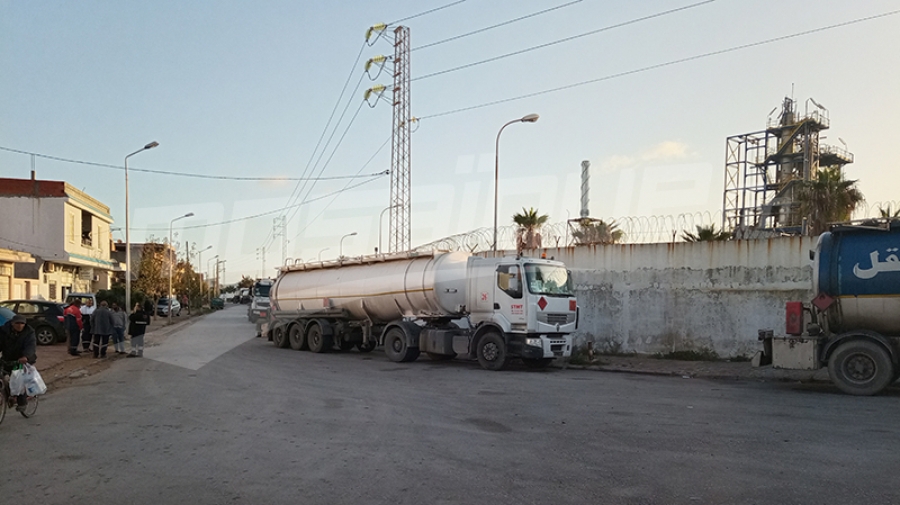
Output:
x=246 y=282
x=597 y=232
x=828 y=198
x=153 y=274
x=706 y=234
x=527 y=235
x=886 y=212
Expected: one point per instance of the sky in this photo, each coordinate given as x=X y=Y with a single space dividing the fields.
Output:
x=241 y=89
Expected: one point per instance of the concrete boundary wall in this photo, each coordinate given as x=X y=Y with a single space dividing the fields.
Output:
x=651 y=298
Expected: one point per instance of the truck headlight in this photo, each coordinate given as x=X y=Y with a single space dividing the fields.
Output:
x=534 y=342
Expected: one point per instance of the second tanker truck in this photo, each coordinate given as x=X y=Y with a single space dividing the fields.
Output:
x=442 y=304
x=853 y=324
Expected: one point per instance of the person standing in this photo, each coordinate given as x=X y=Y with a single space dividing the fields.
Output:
x=118 y=316
x=138 y=322
x=74 y=324
x=87 y=311
x=18 y=344
x=102 y=327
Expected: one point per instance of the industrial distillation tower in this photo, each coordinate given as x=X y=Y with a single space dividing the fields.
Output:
x=764 y=169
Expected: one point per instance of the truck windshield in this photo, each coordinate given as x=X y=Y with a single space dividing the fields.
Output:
x=262 y=290
x=550 y=280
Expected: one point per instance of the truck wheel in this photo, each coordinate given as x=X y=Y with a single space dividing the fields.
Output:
x=491 y=352
x=440 y=357
x=368 y=346
x=345 y=345
x=537 y=363
x=861 y=367
x=295 y=338
x=279 y=338
x=396 y=349
x=316 y=341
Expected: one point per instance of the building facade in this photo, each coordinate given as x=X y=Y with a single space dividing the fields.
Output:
x=66 y=232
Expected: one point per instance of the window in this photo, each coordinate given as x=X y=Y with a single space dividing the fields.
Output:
x=53 y=291
x=550 y=280
x=509 y=280
x=26 y=308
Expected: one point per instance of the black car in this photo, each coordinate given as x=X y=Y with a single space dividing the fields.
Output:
x=45 y=317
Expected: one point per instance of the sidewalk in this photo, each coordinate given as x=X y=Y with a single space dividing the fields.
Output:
x=58 y=368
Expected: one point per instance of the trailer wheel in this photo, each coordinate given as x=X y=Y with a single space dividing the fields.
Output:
x=396 y=349
x=316 y=341
x=861 y=367
x=279 y=338
x=491 y=352
x=295 y=337
x=345 y=345
x=367 y=346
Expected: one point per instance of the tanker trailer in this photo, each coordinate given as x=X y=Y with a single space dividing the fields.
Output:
x=853 y=324
x=442 y=304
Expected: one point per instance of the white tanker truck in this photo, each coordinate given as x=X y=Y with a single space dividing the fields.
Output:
x=443 y=304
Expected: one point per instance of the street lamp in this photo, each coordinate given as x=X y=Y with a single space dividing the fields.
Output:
x=199 y=273
x=380 y=219
x=172 y=261
x=320 y=253
x=342 y=243
x=530 y=118
x=209 y=272
x=151 y=145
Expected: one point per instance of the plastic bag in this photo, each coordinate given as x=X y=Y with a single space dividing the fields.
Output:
x=34 y=384
x=17 y=382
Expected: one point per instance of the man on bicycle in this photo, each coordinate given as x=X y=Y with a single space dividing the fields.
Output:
x=17 y=344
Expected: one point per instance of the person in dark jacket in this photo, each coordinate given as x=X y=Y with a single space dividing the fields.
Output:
x=138 y=322
x=102 y=325
x=17 y=344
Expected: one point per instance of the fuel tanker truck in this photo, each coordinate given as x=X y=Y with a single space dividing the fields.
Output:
x=443 y=304
x=853 y=324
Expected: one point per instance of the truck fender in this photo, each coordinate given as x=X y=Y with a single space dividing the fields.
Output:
x=858 y=335
x=410 y=330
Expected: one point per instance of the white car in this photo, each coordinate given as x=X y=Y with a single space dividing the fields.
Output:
x=162 y=307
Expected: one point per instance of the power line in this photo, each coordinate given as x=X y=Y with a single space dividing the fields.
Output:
x=276 y=211
x=426 y=12
x=661 y=65
x=560 y=41
x=179 y=174
x=498 y=25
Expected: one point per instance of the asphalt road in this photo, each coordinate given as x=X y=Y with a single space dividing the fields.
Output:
x=214 y=415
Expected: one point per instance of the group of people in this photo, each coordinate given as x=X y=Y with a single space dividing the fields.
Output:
x=91 y=328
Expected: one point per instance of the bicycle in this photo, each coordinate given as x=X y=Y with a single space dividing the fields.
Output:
x=8 y=401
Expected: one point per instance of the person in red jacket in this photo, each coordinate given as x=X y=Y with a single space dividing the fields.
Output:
x=74 y=326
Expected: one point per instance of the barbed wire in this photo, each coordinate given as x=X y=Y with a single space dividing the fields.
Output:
x=635 y=229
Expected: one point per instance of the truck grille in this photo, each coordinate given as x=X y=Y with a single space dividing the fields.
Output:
x=557 y=347
x=551 y=318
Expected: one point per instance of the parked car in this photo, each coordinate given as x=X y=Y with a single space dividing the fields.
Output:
x=217 y=304
x=162 y=307
x=84 y=297
x=45 y=317
x=5 y=315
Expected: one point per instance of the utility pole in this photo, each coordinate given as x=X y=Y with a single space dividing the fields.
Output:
x=279 y=229
x=261 y=254
x=400 y=226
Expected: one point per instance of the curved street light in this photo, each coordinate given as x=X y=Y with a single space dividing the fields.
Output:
x=151 y=145
x=172 y=262
x=530 y=118
x=320 y=253
x=199 y=273
x=342 y=243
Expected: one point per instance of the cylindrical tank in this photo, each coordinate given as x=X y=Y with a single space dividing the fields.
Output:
x=860 y=266
x=380 y=290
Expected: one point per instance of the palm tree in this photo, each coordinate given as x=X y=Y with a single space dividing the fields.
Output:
x=597 y=232
x=887 y=213
x=827 y=199
x=527 y=236
x=706 y=234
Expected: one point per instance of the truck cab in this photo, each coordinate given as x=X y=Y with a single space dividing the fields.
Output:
x=259 y=301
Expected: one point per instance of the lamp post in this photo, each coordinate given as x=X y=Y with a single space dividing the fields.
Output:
x=380 y=219
x=209 y=273
x=199 y=273
x=151 y=145
x=320 y=253
x=172 y=262
x=530 y=118
x=342 y=243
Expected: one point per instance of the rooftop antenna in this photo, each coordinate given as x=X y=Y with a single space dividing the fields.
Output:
x=585 y=187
